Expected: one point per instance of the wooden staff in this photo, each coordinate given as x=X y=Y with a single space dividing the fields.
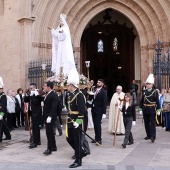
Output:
x=28 y=122
x=114 y=140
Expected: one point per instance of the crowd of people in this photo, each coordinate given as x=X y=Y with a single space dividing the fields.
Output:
x=35 y=108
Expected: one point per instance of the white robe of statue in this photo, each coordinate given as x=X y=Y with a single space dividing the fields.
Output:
x=113 y=113
x=62 y=50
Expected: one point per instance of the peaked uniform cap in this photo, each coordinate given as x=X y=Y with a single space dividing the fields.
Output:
x=150 y=79
x=1 y=83
x=73 y=77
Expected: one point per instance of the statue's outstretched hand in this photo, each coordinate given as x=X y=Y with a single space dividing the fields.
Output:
x=49 y=28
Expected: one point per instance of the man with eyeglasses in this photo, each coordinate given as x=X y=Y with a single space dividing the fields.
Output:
x=115 y=104
x=149 y=107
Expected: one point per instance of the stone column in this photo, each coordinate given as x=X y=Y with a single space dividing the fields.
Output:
x=144 y=63
x=25 y=48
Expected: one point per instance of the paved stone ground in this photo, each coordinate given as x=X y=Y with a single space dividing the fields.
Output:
x=142 y=155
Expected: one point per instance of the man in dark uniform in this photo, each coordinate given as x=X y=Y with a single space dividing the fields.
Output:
x=35 y=110
x=150 y=106
x=3 y=114
x=76 y=108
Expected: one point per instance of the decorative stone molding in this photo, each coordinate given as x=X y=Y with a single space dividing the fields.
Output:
x=153 y=46
x=49 y=46
x=26 y=19
x=41 y=45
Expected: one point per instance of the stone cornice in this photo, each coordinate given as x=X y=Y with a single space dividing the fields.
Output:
x=153 y=46
x=49 y=46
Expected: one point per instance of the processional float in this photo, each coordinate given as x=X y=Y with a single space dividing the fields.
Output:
x=63 y=59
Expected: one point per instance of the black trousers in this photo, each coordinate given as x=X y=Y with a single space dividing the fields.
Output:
x=51 y=142
x=10 y=120
x=74 y=139
x=150 y=125
x=128 y=134
x=20 y=117
x=97 y=125
x=36 y=130
x=4 y=129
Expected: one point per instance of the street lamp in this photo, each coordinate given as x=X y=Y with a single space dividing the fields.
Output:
x=44 y=71
x=87 y=66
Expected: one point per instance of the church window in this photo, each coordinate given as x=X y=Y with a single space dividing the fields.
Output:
x=115 y=44
x=100 y=47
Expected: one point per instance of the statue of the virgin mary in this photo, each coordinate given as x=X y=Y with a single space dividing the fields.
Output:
x=62 y=50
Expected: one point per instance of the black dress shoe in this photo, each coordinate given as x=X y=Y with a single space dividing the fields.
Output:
x=100 y=142
x=130 y=143
x=73 y=157
x=6 y=139
x=152 y=139
x=15 y=126
x=146 y=138
x=75 y=165
x=60 y=134
x=47 y=152
x=32 y=145
x=39 y=143
x=124 y=146
x=93 y=141
x=19 y=125
x=54 y=149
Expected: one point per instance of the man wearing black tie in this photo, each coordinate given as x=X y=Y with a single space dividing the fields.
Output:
x=35 y=110
x=51 y=102
x=98 y=109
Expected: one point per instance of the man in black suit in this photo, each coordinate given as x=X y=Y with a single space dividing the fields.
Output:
x=51 y=102
x=35 y=110
x=98 y=109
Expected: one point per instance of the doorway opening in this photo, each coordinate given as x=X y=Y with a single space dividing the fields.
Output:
x=109 y=46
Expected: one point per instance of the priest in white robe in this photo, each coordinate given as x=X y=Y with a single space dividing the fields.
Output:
x=115 y=104
x=62 y=50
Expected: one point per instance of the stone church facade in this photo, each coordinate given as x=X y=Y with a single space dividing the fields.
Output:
x=24 y=35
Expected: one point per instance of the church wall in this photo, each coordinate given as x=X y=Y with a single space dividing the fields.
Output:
x=10 y=45
x=29 y=38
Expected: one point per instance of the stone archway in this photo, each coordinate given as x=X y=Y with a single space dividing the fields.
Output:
x=143 y=15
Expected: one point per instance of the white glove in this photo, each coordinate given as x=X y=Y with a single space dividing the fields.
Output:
x=1 y=117
x=32 y=93
x=133 y=123
x=89 y=101
x=76 y=125
x=158 y=113
x=104 y=116
x=140 y=112
x=36 y=93
x=48 y=119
